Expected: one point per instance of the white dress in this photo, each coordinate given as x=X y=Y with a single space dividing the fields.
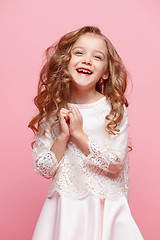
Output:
x=85 y=201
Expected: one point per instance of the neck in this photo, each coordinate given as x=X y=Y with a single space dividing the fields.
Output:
x=84 y=97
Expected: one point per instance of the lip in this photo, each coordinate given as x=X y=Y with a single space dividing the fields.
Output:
x=87 y=69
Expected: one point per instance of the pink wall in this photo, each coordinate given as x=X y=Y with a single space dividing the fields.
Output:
x=27 y=28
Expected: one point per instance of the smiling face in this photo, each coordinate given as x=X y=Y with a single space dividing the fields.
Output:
x=88 y=61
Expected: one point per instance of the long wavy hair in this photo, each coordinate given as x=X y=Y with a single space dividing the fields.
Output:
x=55 y=81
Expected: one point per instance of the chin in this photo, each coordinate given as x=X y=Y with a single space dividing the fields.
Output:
x=81 y=86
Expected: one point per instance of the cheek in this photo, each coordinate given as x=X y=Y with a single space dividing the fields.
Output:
x=101 y=69
x=104 y=68
x=70 y=65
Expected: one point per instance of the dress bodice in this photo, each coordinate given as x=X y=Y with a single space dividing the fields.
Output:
x=77 y=175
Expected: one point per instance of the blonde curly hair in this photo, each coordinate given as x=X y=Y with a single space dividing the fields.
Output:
x=55 y=81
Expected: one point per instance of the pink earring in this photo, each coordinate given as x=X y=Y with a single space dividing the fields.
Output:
x=101 y=84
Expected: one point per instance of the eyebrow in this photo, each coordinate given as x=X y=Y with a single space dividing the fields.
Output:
x=94 y=50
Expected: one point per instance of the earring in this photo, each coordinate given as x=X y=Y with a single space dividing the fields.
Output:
x=101 y=85
x=104 y=77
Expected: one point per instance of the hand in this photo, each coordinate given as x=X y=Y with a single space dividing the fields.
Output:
x=76 y=122
x=64 y=128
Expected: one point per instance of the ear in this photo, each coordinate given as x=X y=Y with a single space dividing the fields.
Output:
x=105 y=76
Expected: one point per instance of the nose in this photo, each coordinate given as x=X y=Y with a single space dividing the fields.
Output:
x=86 y=61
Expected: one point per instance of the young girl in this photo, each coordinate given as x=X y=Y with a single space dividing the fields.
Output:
x=82 y=141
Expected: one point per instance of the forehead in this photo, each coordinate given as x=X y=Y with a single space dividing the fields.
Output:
x=91 y=41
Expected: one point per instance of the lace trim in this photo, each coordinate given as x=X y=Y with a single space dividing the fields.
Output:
x=87 y=194
x=103 y=157
x=75 y=179
x=46 y=164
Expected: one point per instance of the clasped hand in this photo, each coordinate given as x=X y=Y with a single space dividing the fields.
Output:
x=71 y=122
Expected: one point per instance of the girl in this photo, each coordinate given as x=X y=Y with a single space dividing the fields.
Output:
x=82 y=141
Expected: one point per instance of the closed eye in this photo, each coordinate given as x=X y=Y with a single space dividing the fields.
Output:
x=98 y=57
x=79 y=53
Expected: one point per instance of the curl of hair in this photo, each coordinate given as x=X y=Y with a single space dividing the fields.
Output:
x=55 y=81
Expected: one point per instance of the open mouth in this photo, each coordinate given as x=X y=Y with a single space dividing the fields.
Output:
x=84 y=71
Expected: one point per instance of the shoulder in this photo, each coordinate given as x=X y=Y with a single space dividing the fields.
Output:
x=124 y=121
x=46 y=125
x=48 y=121
x=125 y=115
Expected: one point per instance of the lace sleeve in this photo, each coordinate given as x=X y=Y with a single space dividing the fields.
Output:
x=44 y=160
x=110 y=157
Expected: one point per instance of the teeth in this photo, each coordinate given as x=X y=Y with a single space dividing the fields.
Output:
x=83 y=70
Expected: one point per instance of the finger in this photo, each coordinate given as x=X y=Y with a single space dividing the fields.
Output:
x=75 y=113
x=78 y=113
x=64 y=110
x=71 y=116
x=65 y=118
x=63 y=115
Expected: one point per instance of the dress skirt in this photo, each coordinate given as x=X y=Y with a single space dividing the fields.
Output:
x=90 y=218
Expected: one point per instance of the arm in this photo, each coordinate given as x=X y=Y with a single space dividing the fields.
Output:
x=59 y=146
x=48 y=152
x=109 y=157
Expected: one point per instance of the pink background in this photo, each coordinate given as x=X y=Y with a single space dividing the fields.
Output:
x=27 y=29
